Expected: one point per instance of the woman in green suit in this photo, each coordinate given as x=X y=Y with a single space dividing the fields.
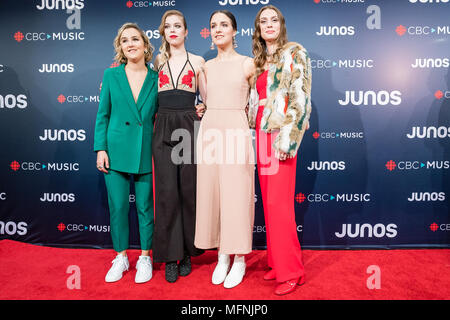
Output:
x=123 y=142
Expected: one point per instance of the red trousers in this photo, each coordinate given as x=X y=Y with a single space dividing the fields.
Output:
x=277 y=182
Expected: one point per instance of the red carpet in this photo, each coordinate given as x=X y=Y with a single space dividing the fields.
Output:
x=36 y=272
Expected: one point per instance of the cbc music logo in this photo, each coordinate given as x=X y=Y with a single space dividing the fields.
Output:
x=366 y=98
x=340 y=197
x=149 y=4
x=60 y=5
x=336 y=31
x=442 y=94
x=401 y=30
x=441 y=227
x=364 y=230
x=244 y=32
x=342 y=64
x=57 y=197
x=326 y=166
x=429 y=132
x=262 y=229
x=428 y=63
x=73 y=227
x=77 y=99
x=63 y=135
x=49 y=166
x=11 y=228
x=11 y=101
x=426 y=196
x=52 y=36
x=339 y=1
x=56 y=68
x=338 y=135
x=242 y=2
x=392 y=165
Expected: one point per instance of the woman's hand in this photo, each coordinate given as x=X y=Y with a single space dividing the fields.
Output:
x=281 y=155
x=102 y=161
x=201 y=108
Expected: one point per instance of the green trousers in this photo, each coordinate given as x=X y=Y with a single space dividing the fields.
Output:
x=118 y=187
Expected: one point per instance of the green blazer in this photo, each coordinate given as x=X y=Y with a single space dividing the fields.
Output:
x=124 y=128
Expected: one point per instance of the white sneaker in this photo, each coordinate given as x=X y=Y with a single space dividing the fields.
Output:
x=120 y=264
x=144 y=269
x=236 y=273
x=221 y=270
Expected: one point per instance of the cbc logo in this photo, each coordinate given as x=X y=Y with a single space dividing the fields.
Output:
x=338 y=135
x=148 y=4
x=11 y=228
x=342 y=64
x=422 y=30
x=37 y=166
x=342 y=197
x=262 y=229
x=2 y=196
x=11 y=101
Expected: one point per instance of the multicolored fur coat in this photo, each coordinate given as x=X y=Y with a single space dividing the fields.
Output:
x=288 y=104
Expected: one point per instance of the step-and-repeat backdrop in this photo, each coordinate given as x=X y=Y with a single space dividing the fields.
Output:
x=373 y=170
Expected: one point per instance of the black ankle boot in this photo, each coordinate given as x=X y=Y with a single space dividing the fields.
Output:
x=171 y=271
x=185 y=266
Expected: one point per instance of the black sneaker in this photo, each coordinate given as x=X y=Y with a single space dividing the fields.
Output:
x=171 y=271
x=185 y=266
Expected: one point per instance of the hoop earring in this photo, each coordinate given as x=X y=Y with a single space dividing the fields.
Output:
x=234 y=42
x=212 y=45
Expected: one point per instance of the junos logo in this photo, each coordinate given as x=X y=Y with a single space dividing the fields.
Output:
x=11 y=228
x=242 y=2
x=63 y=135
x=153 y=34
x=429 y=1
x=11 y=101
x=429 y=132
x=427 y=196
x=367 y=230
x=326 y=165
x=56 y=68
x=58 y=197
x=60 y=4
x=373 y=98
x=431 y=63
x=336 y=31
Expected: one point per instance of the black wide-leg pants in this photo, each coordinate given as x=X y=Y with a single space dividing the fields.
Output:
x=175 y=177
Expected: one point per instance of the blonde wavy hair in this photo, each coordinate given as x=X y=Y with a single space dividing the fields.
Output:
x=259 y=47
x=120 y=56
x=164 y=49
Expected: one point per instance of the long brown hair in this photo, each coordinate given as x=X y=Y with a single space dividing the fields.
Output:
x=164 y=49
x=259 y=44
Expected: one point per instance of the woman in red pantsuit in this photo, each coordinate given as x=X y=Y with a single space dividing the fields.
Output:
x=279 y=111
